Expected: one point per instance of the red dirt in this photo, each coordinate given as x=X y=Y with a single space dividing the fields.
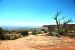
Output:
x=38 y=43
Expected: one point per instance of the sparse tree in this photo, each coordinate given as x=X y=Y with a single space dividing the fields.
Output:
x=57 y=20
x=60 y=29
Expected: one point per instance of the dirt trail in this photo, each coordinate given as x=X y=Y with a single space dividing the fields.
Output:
x=38 y=43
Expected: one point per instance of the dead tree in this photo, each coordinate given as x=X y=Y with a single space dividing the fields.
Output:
x=57 y=20
x=61 y=26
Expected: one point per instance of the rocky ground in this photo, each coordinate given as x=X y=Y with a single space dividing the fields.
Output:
x=39 y=42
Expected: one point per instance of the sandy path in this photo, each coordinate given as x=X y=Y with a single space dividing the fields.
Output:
x=38 y=43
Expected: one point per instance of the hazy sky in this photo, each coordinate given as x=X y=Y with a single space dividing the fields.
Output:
x=34 y=12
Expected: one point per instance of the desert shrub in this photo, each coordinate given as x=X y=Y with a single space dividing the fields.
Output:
x=24 y=33
x=35 y=32
x=45 y=31
x=50 y=34
x=11 y=36
x=1 y=34
x=56 y=32
x=71 y=34
x=42 y=29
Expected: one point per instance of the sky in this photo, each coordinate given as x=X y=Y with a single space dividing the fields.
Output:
x=34 y=12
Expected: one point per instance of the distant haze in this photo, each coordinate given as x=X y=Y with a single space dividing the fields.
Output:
x=22 y=27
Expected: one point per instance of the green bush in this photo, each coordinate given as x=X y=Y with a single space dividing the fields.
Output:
x=50 y=34
x=1 y=34
x=45 y=31
x=36 y=33
x=55 y=32
x=24 y=33
x=71 y=34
